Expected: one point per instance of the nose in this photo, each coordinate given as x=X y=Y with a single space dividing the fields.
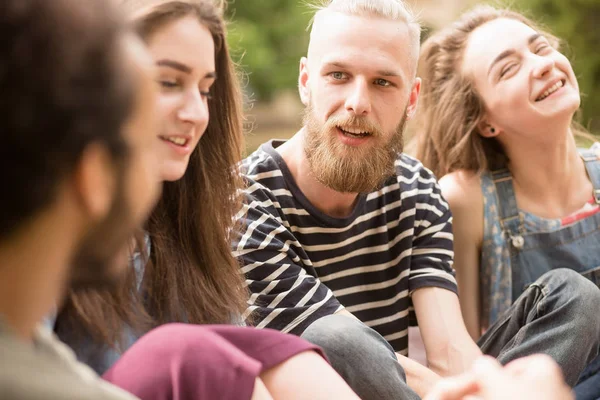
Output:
x=358 y=101
x=194 y=108
x=542 y=66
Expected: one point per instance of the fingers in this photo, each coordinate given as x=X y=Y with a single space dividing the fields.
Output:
x=525 y=378
x=455 y=388
x=487 y=365
x=538 y=363
x=521 y=379
x=492 y=379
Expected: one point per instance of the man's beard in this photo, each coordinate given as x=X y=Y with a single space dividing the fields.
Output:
x=94 y=266
x=349 y=169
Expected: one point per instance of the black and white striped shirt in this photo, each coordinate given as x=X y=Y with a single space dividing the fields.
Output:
x=301 y=264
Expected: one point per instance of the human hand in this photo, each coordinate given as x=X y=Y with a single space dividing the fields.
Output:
x=530 y=377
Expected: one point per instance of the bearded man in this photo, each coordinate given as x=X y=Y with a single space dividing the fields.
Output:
x=346 y=240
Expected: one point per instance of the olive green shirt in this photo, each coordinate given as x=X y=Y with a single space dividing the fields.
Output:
x=47 y=369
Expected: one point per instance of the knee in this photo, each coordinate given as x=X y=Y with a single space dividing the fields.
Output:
x=579 y=295
x=335 y=332
x=587 y=302
x=361 y=356
x=174 y=358
x=326 y=331
x=186 y=347
x=581 y=292
x=179 y=340
x=340 y=336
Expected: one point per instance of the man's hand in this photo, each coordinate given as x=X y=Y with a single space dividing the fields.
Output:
x=533 y=377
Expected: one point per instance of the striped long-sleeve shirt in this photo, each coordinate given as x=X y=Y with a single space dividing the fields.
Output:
x=301 y=264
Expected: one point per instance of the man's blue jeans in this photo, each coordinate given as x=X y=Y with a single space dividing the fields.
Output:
x=558 y=315
x=588 y=387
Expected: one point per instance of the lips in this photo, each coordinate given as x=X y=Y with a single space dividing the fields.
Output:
x=550 y=89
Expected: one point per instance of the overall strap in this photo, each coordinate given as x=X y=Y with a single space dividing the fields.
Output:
x=592 y=165
x=511 y=220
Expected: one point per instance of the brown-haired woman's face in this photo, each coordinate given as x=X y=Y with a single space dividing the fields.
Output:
x=184 y=55
x=526 y=84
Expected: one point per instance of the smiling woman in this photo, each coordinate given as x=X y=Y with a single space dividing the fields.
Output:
x=190 y=274
x=497 y=125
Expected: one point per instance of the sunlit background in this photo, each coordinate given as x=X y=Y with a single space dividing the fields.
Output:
x=268 y=37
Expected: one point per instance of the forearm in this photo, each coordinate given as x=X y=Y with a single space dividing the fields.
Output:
x=449 y=347
x=455 y=358
x=418 y=377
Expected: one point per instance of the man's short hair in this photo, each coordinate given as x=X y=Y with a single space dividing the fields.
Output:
x=395 y=10
x=62 y=87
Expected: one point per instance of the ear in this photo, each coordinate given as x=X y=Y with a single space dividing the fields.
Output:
x=303 y=82
x=487 y=129
x=413 y=99
x=94 y=181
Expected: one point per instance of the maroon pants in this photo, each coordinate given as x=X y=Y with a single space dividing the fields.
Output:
x=183 y=361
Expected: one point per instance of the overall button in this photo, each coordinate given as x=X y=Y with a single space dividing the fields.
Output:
x=518 y=241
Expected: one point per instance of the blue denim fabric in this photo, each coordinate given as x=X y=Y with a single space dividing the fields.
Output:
x=556 y=315
x=534 y=252
x=361 y=356
x=553 y=310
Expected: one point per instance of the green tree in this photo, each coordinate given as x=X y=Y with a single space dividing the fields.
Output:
x=576 y=23
x=267 y=38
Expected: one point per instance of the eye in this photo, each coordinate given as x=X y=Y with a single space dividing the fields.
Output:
x=541 y=48
x=337 y=75
x=167 y=84
x=382 y=82
x=207 y=95
x=507 y=69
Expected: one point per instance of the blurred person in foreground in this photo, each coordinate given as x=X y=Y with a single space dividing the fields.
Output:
x=77 y=103
x=532 y=377
x=80 y=156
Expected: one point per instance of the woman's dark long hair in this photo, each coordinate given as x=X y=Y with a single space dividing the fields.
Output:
x=191 y=275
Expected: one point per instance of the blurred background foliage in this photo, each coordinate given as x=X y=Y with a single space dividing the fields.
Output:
x=268 y=37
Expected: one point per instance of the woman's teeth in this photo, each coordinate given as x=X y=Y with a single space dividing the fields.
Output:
x=176 y=140
x=548 y=92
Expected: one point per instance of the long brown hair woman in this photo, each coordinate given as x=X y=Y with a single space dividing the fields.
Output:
x=187 y=273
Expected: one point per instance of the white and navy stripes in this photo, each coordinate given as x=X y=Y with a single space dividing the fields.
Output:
x=301 y=264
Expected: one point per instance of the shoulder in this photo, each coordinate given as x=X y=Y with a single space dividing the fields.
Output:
x=64 y=376
x=264 y=190
x=419 y=189
x=462 y=190
x=262 y=172
x=415 y=180
x=261 y=161
x=409 y=167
